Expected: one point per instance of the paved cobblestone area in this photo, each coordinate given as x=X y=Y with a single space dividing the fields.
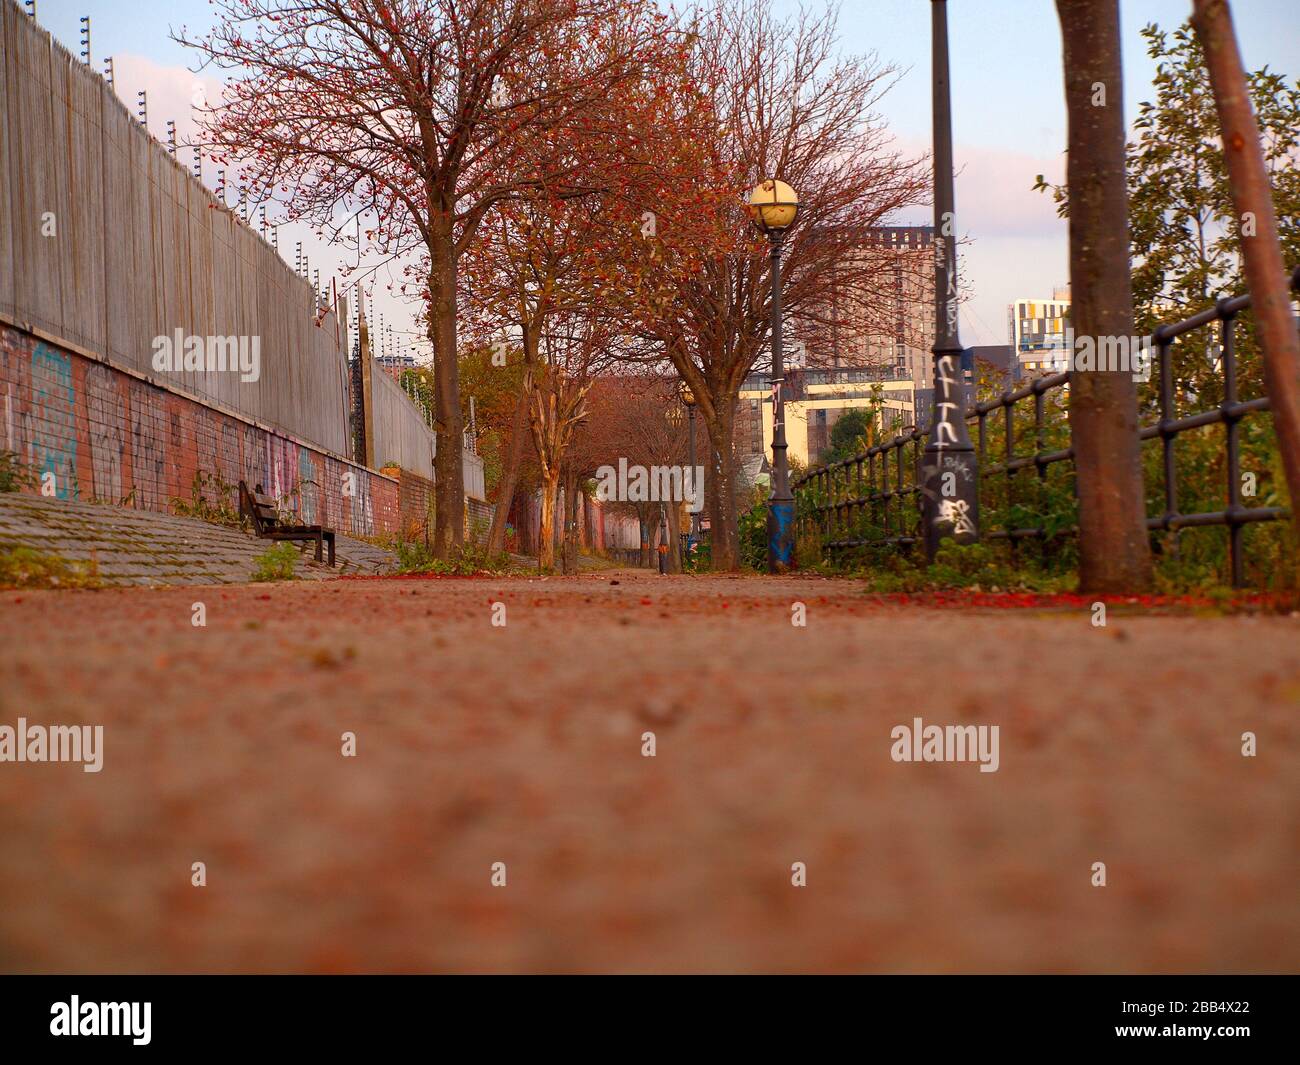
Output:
x=145 y=548
x=522 y=744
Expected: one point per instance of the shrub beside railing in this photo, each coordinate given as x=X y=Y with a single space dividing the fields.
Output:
x=852 y=510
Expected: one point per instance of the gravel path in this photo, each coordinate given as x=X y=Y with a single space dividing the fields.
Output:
x=522 y=744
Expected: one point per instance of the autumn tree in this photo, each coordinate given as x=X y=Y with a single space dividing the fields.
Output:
x=571 y=351
x=554 y=258
x=784 y=104
x=534 y=275
x=411 y=113
x=639 y=417
x=493 y=390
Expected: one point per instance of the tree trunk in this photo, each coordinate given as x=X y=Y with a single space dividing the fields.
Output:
x=571 y=496
x=449 y=474
x=509 y=478
x=1114 y=550
x=720 y=487
x=559 y=514
x=674 y=537
x=1270 y=295
x=546 y=534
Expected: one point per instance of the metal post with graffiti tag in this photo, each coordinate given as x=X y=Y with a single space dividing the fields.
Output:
x=950 y=477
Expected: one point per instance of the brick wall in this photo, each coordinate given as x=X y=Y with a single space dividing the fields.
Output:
x=415 y=498
x=478 y=519
x=106 y=436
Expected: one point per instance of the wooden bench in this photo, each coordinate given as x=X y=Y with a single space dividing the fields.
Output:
x=260 y=510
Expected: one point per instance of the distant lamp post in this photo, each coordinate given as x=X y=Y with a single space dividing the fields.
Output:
x=688 y=401
x=950 y=475
x=674 y=417
x=774 y=206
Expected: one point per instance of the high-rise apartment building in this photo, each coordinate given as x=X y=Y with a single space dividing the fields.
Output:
x=1038 y=330
x=901 y=337
x=879 y=303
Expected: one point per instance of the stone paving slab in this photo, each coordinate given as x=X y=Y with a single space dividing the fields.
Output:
x=141 y=547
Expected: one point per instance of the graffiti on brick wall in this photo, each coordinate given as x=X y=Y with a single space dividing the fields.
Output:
x=323 y=490
x=320 y=489
x=280 y=471
x=361 y=513
x=52 y=427
x=148 y=450
x=9 y=417
x=128 y=441
x=106 y=416
x=250 y=452
x=415 y=495
x=308 y=488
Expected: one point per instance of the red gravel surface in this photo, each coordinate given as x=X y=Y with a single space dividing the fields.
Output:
x=523 y=744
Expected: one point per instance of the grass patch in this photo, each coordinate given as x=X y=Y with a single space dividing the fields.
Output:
x=25 y=567
x=276 y=563
x=416 y=557
x=974 y=567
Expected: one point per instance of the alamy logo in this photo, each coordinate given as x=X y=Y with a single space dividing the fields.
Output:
x=1131 y=355
x=946 y=743
x=658 y=484
x=102 y=1018
x=241 y=355
x=55 y=743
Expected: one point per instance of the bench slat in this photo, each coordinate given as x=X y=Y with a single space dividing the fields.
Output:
x=268 y=525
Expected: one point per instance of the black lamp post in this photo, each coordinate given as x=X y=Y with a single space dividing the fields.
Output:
x=774 y=205
x=688 y=401
x=950 y=476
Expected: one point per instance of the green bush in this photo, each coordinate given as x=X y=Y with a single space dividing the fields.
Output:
x=753 y=536
x=1193 y=560
x=472 y=558
x=276 y=563
x=218 y=509
x=15 y=475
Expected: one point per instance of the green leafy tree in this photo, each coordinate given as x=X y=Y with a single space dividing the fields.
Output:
x=1184 y=237
x=847 y=434
x=859 y=428
x=1185 y=240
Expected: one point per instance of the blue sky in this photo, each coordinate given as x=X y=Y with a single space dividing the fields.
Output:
x=1008 y=106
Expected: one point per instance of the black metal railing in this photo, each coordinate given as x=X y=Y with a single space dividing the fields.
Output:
x=877 y=482
x=872 y=500
x=1044 y=456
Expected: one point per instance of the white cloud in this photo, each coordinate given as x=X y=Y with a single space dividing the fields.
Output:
x=170 y=90
x=1015 y=245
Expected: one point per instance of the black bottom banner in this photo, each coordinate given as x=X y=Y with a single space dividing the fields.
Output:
x=379 y=1015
